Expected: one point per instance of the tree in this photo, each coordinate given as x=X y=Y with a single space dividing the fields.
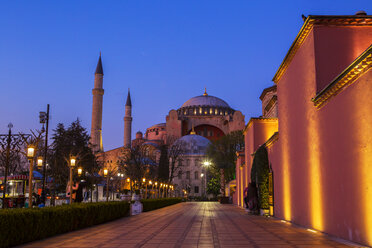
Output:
x=213 y=187
x=137 y=164
x=222 y=154
x=175 y=151
x=68 y=142
x=163 y=168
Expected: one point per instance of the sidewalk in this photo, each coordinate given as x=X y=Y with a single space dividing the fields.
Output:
x=194 y=224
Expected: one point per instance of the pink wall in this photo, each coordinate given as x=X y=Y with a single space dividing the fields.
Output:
x=258 y=131
x=322 y=163
x=336 y=48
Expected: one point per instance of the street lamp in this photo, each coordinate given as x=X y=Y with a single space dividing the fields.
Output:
x=80 y=171
x=206 y=164
x=105 y=173
x=39 y=162
x=72 y=165
x=30 y=157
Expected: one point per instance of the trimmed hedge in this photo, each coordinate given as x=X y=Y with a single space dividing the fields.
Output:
x=152 y=204
x=18 y=226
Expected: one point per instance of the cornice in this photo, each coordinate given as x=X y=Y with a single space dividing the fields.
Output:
x=258 y=119
x=272 y=139
x=360 y=66
x=353 y=20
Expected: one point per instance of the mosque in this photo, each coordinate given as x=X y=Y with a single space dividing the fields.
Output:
x=198 y=121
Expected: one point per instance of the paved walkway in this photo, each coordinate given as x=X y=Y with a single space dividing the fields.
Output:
x=203 y=224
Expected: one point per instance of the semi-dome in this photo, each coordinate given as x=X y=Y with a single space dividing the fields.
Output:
x=205 y=100
x=193 y=144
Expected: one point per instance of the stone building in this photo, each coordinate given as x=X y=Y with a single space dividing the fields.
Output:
x=210 y=116
x=191 y=173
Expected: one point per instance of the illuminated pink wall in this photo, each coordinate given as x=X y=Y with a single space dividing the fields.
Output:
x=257 y=132
x=322 y=163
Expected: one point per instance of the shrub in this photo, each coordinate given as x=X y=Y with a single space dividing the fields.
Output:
x=24 y=225
x=152 y=204
x=260 y=175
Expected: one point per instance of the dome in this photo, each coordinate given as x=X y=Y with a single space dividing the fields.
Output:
x=193 y=144
x=206 y=100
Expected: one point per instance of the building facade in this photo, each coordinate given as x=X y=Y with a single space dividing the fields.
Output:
x=321 y=155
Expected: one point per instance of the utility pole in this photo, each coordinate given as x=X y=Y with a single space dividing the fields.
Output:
x=9 y=139
x=44 y=118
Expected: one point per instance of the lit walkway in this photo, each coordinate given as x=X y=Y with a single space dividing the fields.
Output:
x=207 y=224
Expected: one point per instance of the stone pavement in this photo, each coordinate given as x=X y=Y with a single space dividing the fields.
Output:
x=193 y=224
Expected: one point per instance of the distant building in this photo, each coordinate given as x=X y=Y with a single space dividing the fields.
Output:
x=210 y=116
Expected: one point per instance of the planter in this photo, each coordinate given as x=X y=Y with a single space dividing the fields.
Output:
x=264 y=212
x=224 y=200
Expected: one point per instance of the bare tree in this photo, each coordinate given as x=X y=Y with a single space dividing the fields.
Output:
x=176 y=149
x=137 y=164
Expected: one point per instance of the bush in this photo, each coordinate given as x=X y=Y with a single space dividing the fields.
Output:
x=24 y=225
x=152 y=204
x=260 y=175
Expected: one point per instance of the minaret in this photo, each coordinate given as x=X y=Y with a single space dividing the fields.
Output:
x=128 y=122
x=96 y=130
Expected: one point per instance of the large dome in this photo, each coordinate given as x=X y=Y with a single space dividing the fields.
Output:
x=193 y=144
x=206 y=100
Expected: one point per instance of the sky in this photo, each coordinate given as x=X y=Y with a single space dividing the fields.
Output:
x=165 y=51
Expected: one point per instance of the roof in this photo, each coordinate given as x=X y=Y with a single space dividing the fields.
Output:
x=129 y=101
x=193 y=144
x=99 y=69
x=267 y=90
x=205 y=100
x=311 y=20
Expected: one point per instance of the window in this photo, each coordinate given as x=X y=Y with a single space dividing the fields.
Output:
x=196 y=190
x=180 y=175
x=187 y=174
x=216 y=112
x=200 y=110
x=187 y=162
x=196 y=175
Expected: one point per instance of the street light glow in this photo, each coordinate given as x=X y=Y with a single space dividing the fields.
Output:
x=72 y=161
x=30 y=152
x=39 y=162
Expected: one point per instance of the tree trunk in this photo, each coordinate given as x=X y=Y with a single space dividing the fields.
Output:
x=222 y=173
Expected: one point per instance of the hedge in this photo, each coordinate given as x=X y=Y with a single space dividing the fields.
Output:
x=152 y=204
x=23 y=225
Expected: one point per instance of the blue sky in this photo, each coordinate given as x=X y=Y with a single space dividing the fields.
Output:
x=164 y=51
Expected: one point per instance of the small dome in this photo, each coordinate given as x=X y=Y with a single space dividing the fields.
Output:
x=205 y=100
x=193 y=144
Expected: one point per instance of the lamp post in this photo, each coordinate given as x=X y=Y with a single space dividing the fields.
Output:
x=206 y=165
x=105 y=173
x=156 y=190
x=72 y=164
x=30 y=157
x=144 y=181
